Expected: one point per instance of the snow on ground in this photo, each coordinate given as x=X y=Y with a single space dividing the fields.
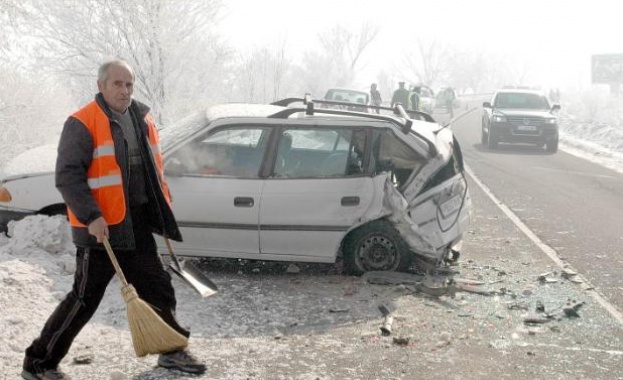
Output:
x=37 y=264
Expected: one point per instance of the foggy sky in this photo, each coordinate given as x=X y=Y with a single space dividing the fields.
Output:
x=553 y=39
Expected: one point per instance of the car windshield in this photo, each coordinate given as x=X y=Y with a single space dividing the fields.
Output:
x=521 y=101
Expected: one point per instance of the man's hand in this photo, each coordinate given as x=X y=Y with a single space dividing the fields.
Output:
x=99 y=229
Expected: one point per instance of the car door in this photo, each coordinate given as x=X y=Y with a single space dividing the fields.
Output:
x=315 y=193
x=216 y=189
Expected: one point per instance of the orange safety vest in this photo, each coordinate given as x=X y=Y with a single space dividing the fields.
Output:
x=104 y=175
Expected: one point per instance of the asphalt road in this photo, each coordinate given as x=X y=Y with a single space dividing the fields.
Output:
x=573 y=205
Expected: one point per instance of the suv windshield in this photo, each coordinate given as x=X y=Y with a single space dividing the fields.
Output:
x=521 y=100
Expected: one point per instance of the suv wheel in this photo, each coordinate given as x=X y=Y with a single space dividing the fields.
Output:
x=492 y=141
x=552 y=145
x=375 y=246
x=483 y=137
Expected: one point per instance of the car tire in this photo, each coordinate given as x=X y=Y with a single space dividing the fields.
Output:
x=492 y=141
x=551 y=146
x=483 y=137
x=375 y=246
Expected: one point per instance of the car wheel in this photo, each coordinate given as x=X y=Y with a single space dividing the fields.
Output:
x=375 y=246
x=551 y=146
x=492 y=141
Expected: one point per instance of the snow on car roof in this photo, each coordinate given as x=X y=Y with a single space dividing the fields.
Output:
x=195 y=121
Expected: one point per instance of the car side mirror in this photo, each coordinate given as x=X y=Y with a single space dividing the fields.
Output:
x=555 y=107
x=487 y=105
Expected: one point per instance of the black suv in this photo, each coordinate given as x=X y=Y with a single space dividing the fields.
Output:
x=520 y=116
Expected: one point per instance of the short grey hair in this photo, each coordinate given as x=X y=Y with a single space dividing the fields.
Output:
x=102 y=72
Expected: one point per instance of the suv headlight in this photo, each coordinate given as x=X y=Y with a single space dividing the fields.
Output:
x=499 y=119
x=551 y=120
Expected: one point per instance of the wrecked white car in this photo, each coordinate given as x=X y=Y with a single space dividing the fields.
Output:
x=303 y=183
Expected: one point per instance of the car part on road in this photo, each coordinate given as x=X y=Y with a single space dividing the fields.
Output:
x=388 y=320
x=191 y=275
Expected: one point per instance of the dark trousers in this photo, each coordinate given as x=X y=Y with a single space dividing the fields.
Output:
x=142 y=268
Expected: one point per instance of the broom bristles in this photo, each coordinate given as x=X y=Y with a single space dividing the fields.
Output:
x=150 y=333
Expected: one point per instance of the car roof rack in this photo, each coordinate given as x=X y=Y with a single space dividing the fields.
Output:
x=286 y=102
x=405 y=126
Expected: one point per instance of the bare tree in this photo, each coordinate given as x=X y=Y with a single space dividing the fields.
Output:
x=32 y=110
x=260 y=74
x=429 y=64
x=169 y=53
x=341 y=54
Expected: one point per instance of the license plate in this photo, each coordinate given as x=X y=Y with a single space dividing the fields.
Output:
x=526 y=128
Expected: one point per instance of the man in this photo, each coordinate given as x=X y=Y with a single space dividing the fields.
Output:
x=401 y=95
x=449 y=100
x=109 y=172
x=375 y=96
x=414 y=98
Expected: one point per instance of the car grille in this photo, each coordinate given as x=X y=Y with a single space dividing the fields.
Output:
x=523 y=120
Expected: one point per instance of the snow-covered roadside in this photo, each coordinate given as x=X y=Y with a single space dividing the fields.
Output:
x=593 y=151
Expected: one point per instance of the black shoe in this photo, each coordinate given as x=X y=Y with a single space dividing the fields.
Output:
x=181 y=360
x=50 y=374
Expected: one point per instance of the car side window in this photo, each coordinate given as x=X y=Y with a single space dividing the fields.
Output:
x=232 y=152
x=395 y=157
x=327 y=153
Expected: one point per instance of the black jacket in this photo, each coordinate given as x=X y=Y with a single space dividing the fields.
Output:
x=75 y=152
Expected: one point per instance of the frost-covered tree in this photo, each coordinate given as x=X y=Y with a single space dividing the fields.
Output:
x=32 y=107
x=259 y=76
x=177 y=57
x=339 y=57
x=429 y=63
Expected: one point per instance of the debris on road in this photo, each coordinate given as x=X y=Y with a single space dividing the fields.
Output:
x=432 y=285
x=388 y=320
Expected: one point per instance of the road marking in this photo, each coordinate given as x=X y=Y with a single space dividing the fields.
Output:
x=549 y=251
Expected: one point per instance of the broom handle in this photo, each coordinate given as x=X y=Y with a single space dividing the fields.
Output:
x=115 y=263
x=173 y=256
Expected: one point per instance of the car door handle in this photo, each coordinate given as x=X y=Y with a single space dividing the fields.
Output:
x=243 y=202
x=350 y=201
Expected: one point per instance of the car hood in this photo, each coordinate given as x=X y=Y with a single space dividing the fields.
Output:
x=524 y=112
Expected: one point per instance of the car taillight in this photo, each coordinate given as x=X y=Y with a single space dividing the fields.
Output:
x=5 y=196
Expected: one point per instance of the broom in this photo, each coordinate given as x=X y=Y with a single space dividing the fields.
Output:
x=150 y=333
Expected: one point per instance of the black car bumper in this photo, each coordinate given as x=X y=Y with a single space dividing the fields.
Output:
x=8 y=215
x=510 y=133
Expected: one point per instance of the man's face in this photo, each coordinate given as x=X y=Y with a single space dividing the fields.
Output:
x=118 y=87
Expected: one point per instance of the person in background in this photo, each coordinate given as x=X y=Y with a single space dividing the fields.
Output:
x=414 y=99
x=449 y=97
x=109 y=172
x=375 y=97
x=401 y=95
